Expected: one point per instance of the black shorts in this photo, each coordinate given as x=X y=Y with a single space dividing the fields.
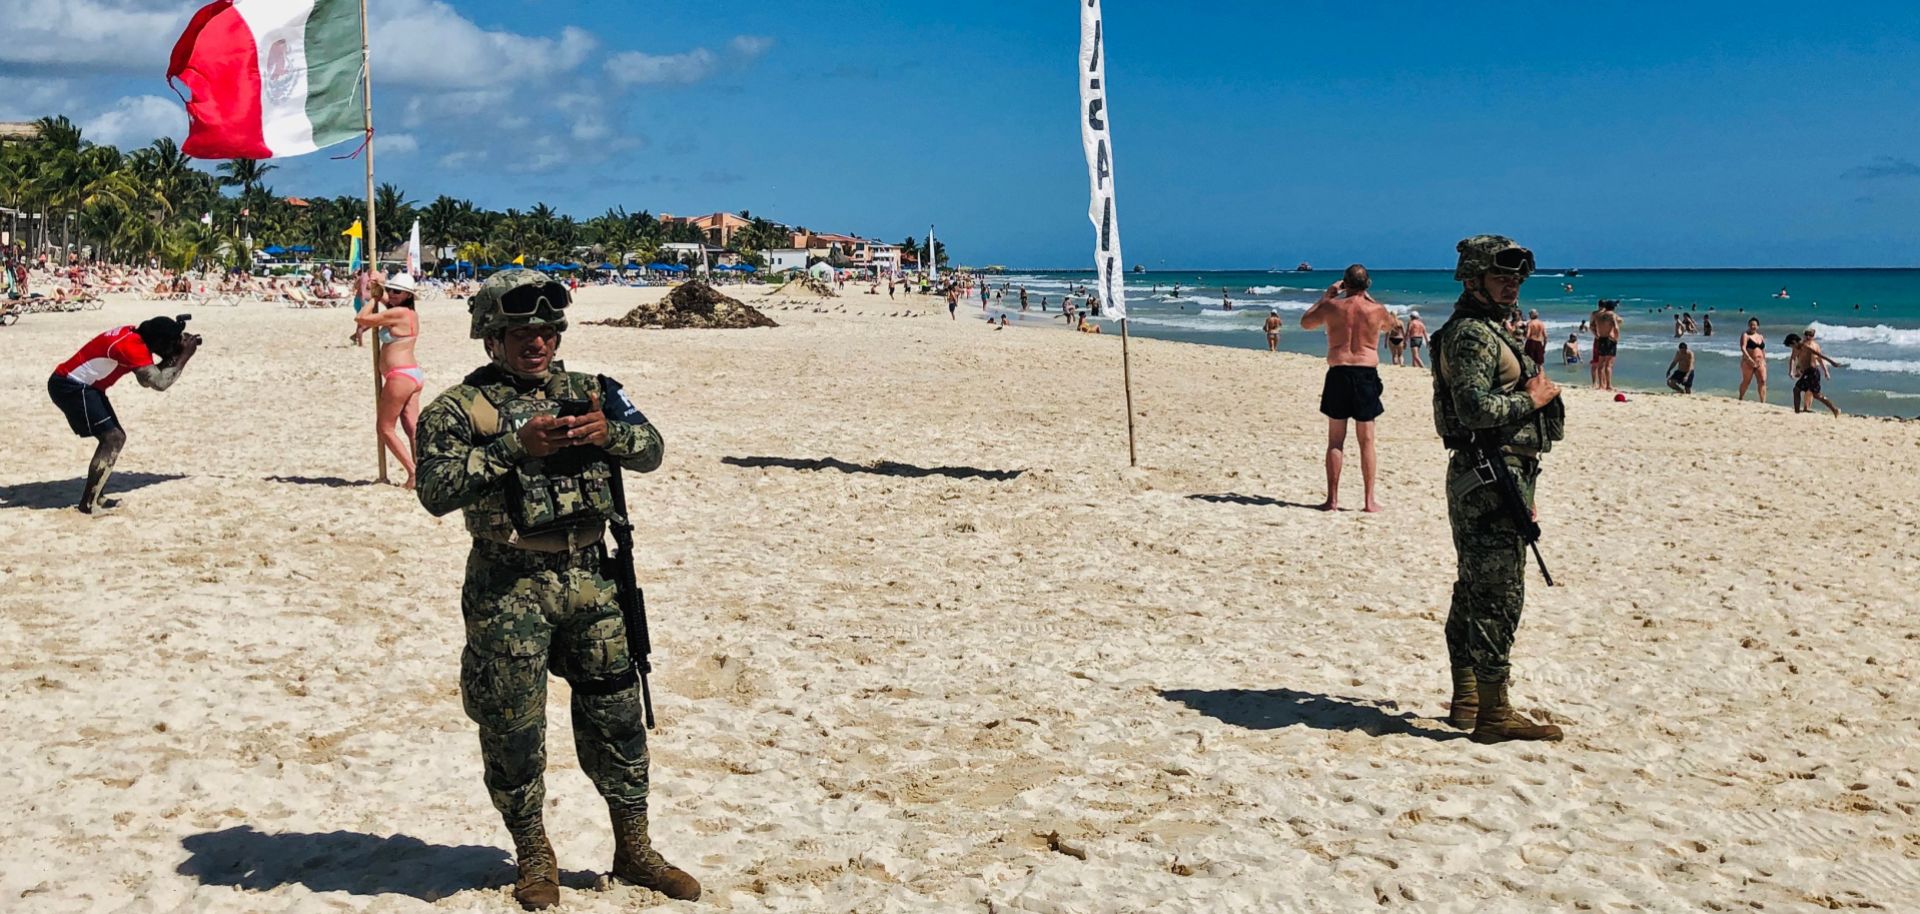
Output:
x=87 y=410
x=1352 y=392
x=1604 y=348
x=1809 y=383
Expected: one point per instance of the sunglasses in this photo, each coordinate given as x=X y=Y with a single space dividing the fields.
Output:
x=526 y=301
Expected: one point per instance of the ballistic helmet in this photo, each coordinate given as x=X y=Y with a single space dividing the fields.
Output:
x=518 y=298
x=1492 y=254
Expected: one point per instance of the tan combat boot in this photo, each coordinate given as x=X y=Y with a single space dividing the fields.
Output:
x=1497 y=722
x=1465 y=707
x=635 y=861
x=539 y=883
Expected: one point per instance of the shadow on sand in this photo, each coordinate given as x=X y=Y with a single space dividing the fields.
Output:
x=331 y=482
x=65 y=493
x=876 y=468
x=350 y=862
x=1258 y=501
x=1275 y=709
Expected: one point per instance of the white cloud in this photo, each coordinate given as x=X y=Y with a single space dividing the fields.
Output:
x=136 y=121
x=27 y=99
x=94 y=35
x=395 y=144
x=427 y=43
x=638 y=68
x=751 y=46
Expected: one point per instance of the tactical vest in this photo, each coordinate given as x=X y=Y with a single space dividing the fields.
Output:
x=1532 y=435
x=552 y=504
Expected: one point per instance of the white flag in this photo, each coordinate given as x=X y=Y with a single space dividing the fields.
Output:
x=932 y=261
x=413 y=250
x=1096 y=135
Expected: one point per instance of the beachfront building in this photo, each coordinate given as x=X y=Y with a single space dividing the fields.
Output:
x=718 y=227
x=780 y=260
x=691 y=252
x=849 y=252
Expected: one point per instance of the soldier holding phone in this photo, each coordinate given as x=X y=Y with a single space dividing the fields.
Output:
x=522 y=448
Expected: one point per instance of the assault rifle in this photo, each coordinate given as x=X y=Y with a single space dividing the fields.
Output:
x=618 y=567
x=1492 y=470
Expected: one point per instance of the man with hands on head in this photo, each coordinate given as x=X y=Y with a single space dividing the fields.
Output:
x=79 y=386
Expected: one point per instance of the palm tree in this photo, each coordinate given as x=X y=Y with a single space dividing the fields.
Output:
x=394 y=213
x=246 y=174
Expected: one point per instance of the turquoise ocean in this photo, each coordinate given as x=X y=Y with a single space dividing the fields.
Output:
x=1868 y=319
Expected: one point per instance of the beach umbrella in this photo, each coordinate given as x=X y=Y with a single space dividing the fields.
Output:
x=747 y=268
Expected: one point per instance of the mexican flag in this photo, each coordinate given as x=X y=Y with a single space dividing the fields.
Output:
x=270 y=78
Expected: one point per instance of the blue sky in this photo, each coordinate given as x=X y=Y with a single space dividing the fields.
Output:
x=1248 y=134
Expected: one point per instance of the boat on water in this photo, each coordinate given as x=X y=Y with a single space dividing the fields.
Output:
x=1573 y=272
x=1304 y=267
x=1138 y=268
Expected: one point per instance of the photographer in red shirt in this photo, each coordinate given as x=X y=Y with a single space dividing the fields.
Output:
x=79 y=386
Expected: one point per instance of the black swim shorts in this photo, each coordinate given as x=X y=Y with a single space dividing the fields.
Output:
x=1352 y=392
x=1604 y=348
x=87 y=410
x=1809 y=382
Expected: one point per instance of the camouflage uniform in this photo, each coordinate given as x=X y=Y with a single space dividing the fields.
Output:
x=535 y=605
x=536 y=601
x=1479 y=387
x=1476 y=387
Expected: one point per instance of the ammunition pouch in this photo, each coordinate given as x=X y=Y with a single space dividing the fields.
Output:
x=543 y=498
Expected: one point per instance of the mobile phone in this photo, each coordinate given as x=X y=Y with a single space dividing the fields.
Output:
x=570 y=408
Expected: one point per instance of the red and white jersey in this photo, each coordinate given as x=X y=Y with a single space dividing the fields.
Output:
x=106 y=357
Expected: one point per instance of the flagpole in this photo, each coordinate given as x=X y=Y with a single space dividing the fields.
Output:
x=372 y=241
x=1126 y=376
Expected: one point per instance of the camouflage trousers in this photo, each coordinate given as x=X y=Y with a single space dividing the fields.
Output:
x=1490 y=585
x=527 y=615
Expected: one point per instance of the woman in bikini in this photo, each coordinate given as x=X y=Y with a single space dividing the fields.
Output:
x=400 y=375
x=1753 y=359
x=1396 y=337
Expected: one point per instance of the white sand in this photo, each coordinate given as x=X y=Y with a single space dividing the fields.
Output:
x=880 y=692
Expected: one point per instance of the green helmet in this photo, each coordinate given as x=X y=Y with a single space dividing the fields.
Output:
x=1492 y=253
x=518 y=298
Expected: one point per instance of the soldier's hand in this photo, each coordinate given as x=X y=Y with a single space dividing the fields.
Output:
x=1542 y=390
x=543 y=436
x=590 y=428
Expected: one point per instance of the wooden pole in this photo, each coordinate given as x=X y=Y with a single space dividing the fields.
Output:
x=1126 y=375
x=370 y=245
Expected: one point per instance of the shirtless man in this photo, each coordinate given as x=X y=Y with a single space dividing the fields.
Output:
x=1536 y=338
x=1416 y=338
x=1680 y=371
x=1273 y=331
x=1810 y=365
x=1352 y=391
x=1606 y=343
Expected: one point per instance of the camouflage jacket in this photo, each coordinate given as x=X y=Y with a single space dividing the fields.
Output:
x=1479 y=381
x=468 y=451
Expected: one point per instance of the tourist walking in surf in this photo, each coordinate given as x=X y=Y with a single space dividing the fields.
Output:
x=1809 y=366
x=1536 y=338
x=1352 y=389
x=1273 y=330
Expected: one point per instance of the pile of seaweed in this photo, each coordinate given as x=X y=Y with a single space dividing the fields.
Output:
x=694 y=306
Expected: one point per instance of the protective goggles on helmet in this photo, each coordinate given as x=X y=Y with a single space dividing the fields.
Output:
x=1512 y=260
x=526 y=301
